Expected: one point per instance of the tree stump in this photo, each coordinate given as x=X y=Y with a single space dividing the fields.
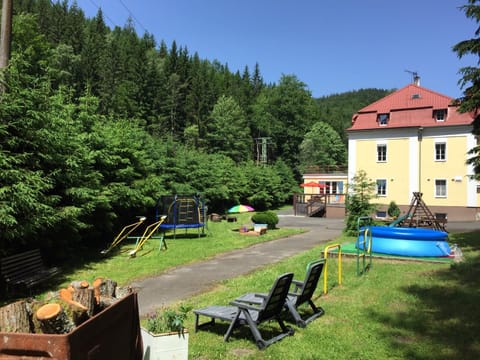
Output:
x=15 y=318
x=53 y=320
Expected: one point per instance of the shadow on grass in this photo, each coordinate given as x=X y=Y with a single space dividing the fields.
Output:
x=445 y=319
x=242 y=332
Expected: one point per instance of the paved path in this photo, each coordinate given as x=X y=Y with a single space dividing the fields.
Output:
x=188 y=280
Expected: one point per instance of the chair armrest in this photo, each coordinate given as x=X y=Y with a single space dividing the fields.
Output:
x=298 y=285
x=245 y=306
x=252 y=298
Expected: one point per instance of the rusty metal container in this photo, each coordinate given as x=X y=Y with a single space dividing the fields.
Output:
x=114 y=333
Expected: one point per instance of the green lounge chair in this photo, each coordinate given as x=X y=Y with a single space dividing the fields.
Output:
x=252 y=315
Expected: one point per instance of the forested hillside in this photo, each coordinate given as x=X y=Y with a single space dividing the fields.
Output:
x=98 y=123
x=337 y=110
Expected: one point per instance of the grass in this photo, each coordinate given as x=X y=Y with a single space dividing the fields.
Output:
x=185 y=248
x=397 y=310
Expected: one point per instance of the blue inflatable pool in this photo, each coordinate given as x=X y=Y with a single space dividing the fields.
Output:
x=404 y=241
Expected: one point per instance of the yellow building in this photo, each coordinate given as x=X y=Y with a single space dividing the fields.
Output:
x=415 y=140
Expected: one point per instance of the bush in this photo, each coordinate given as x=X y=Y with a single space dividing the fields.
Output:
x=267 y=217
x=393 y=210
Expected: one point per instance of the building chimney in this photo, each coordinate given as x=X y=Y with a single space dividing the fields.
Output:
x=416 y=79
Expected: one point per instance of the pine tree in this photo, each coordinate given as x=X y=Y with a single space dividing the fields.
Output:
x=94 y=54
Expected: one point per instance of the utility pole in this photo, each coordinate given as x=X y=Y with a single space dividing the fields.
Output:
x=262 y=154
x=5 y=38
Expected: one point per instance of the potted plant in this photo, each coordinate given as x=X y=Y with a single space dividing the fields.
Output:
x=164 y=335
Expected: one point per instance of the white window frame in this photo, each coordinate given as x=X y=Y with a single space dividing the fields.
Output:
x=382 y=145
x=437 y=193
x=436 y=114
x=331 y=187
x=379 y=187
x=436 y=153
x=383 y=119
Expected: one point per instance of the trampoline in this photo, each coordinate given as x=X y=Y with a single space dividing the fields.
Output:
x=182 y=212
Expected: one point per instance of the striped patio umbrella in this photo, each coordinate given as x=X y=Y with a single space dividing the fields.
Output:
x=240 y=209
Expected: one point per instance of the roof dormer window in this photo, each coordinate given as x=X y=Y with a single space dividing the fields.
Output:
x=382 y=119
x=440 y=114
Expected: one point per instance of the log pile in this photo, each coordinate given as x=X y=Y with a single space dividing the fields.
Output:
x=69 y=308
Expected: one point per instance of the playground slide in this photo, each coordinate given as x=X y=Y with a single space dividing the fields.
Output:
x=398 y=220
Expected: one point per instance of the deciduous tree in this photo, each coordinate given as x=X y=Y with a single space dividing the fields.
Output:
x=322 y=146
x=228 y=132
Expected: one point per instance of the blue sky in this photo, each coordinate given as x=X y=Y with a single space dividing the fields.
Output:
x=332 y=46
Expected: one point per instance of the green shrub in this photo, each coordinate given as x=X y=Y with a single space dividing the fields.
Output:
x=393 y=210
x=267 y=217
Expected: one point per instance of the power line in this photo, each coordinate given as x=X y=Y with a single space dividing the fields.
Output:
x=104 y=13
x=133 y=16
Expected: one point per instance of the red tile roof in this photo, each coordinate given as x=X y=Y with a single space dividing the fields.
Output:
x=411 y=106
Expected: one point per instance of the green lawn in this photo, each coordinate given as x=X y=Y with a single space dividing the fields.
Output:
x=397 y=310
x=185 y=248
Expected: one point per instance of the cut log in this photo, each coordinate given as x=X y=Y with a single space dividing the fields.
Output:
x=106 y=301
x=83 y=284
x=14 y=317
x=65 y=295
x=77 y=311
x=85 y=297
x=96 y=289
x=53 y=320
x=121 y=292
x=104 y=287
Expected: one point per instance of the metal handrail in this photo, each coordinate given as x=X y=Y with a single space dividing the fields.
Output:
x=325 y=270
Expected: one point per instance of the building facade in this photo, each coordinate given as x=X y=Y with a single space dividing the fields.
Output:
x=415 y=140
x=331 y=185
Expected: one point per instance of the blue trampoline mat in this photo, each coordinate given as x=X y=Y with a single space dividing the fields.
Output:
x=181 y=226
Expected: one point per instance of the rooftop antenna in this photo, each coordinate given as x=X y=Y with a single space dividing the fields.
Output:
x=415 y=76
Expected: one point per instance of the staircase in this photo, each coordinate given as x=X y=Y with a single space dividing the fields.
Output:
x=316 y=206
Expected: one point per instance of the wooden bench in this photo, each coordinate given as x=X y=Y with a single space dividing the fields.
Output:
x=25 y=270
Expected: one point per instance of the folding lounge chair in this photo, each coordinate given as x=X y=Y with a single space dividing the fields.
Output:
x=252 y=315
x=302 y=293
